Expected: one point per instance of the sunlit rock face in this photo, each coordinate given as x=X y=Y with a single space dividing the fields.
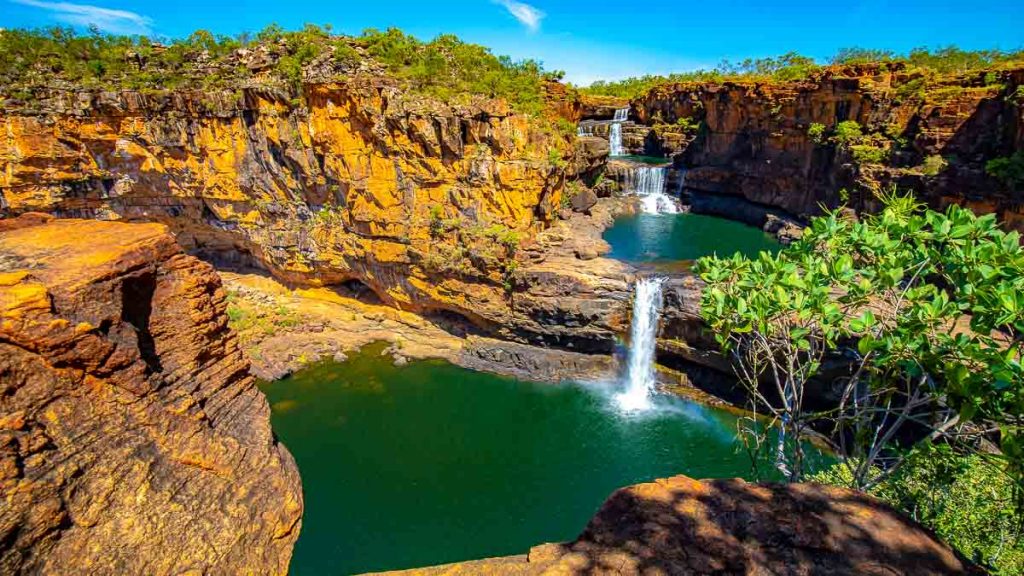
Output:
x=341 y=185
x=754 y=144
x=132 y=438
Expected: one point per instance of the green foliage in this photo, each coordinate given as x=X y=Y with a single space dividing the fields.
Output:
x=555 y=158
x=449 y=68
x=445 y=67
x=965 y=499
x=792 y=66
x=930 y=305
x=869 y=154
x=847 y=133
x=1008 y=169
x=933 y=165
x=688 y=124
x=816 y=132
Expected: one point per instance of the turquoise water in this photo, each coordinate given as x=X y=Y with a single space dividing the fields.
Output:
x=431 y=463
x=660 y=238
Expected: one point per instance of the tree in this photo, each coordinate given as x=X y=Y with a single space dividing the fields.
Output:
x=925 y=311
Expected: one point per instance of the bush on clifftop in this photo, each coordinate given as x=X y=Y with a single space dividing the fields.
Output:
x=445 y=67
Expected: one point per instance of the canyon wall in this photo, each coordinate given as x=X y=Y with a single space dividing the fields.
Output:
x=420 y=201
x=754 y=141
x=132 y=438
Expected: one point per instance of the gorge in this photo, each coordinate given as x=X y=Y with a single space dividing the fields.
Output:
x=474 y=314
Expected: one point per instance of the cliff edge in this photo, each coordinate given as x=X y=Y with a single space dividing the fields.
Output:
x=132 y=438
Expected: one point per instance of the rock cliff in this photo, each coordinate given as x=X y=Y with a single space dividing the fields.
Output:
x=755 y=141
x=687 y=527
x=361 y=182
x=132 y=438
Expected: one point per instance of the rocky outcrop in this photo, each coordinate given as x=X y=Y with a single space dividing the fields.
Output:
x=755 y=142
x=132 y=438
x=687 y=527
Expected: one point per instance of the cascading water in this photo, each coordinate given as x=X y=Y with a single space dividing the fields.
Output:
x=615 y=133
x=648 y=182
x=640 y=379
x=615 y=140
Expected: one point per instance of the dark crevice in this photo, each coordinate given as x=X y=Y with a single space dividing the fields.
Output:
x=136 y=308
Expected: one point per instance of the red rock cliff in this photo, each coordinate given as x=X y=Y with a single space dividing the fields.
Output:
x=755 y=142
x=132 y=438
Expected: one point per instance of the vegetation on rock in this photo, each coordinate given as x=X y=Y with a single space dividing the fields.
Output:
x=919 y=63
x=965 y=499
x=445 y=67
x=923 y=310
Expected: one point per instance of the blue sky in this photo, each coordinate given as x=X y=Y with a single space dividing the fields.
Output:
x=588 y=39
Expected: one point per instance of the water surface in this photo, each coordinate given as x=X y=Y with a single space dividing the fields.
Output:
x=661 y=238
x=431 y=463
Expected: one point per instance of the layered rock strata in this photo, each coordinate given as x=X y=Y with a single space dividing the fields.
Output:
x=358 y=182
x=755 y=147
x=132 y=438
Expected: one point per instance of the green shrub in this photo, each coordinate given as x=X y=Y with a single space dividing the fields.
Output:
x=1008 y=169
x=966 y=500
x=847 y=133
x=816 y=132
x=869 y=154
x=933 y=165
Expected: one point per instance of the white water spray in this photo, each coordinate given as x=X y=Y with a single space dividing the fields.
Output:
x=640 y=379
x=648 y=182
x=621 y=115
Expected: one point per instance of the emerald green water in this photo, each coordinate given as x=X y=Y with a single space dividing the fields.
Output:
x=659 y=238
x=431 y=463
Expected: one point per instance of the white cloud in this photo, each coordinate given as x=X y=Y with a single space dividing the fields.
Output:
x=527 y=15
x=106 y=19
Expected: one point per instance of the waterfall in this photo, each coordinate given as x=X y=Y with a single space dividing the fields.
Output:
x=615 y=139
x=585 y=130
x=648 y=182
x=640 y=378
x=615 y=132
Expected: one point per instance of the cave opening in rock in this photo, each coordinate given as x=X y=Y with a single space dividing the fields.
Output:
x=358 y=290
x=136 y=308
x=454 y=323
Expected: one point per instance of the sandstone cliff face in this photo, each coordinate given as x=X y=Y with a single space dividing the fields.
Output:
x=132 y=437
x=754 y=143
x=344 y=186
x=684 y=526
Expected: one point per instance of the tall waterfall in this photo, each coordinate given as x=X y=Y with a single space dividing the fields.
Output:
x=648 y=182
x=640 y=378
x=615 y=132
x=615 y=140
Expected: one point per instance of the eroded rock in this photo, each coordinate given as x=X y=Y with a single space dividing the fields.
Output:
x=132 y=438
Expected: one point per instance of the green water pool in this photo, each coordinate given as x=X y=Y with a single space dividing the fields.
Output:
x=661 y=238
x=431 y=463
